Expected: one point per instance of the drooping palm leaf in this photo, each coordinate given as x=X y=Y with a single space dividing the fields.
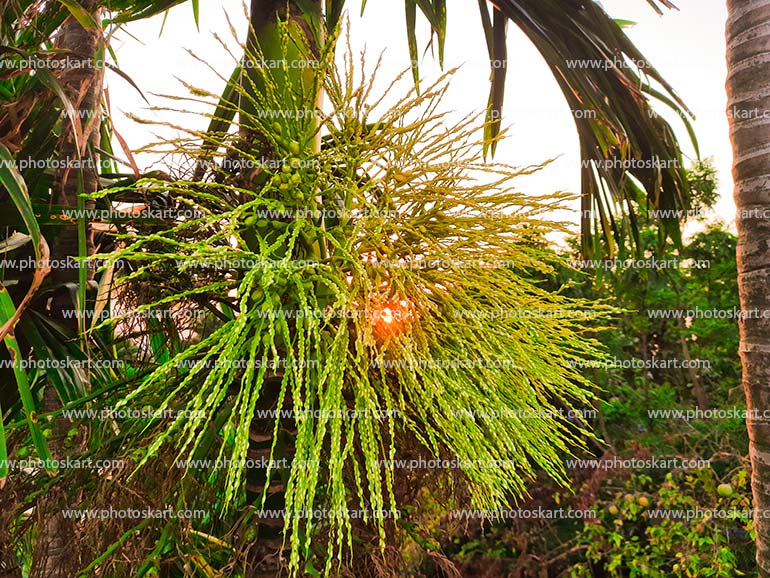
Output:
x=590 y=56
x=603 y=74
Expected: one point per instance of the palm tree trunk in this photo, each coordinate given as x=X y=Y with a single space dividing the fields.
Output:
x=77 y=156
x=264 y=39
x=77 y=171
x=748 y=90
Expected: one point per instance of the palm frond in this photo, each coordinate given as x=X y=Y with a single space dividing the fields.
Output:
x=631 y=158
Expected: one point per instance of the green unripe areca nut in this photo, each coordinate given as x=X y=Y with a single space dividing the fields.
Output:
x=296 y=179
x=262 y=223
x=285 y=168
x=281 y=283
x=258 y=294
x=250 y=221
x=725 y=490
x=277 y=127
x=294 y=147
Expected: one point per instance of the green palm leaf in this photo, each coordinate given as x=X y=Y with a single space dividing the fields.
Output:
x=622 y=140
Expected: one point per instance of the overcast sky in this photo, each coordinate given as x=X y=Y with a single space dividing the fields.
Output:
x=686 y=46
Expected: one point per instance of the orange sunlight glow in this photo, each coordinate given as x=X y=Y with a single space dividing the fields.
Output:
x=391 y=317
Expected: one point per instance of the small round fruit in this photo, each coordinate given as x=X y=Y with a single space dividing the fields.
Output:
x=285 y=168
x=613 y=510
x=296 y=179
x=250 y=221
x=277 y=127
x=266 y=340
x=676 y=568
x=284 y=187
x=262 y=223
x=725 y=490
x=628 y=498
x=644 y=502
x=294 y=147
x=258 y=294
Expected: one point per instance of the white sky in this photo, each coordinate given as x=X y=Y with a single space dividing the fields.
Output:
x=687 y=47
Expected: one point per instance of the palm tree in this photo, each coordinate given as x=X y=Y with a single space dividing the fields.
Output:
x=748 y=100
x=562 y=33
x=622 y=129
x=52 y=114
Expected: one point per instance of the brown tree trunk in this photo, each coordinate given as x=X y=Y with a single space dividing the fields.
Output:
x=701 y=398
x=748 y=91
x=76 y=171
x=77 y=156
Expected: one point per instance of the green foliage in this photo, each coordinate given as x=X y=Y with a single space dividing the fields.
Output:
x=703 y=184
x=625 y=540
x=682 y=527
x=407 y=184
x=411 y=162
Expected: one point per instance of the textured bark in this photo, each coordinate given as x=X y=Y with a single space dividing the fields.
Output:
x=83 y=86
x=748 y=89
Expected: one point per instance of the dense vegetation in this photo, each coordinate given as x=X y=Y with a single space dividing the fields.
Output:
x=360 y=304
x=673 y=438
